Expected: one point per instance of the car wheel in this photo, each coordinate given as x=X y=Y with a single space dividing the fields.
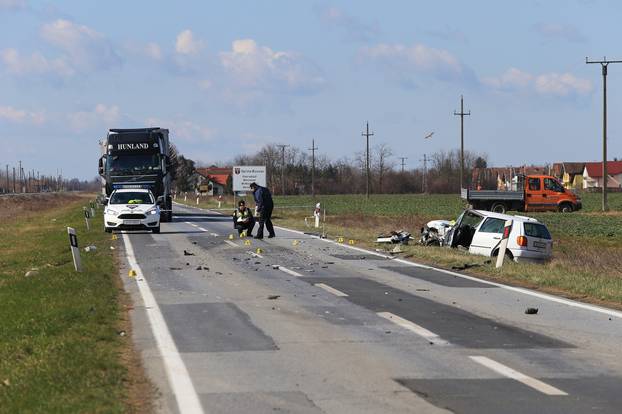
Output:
x=566 y=208
x=498 y=208
x=107 y=229
x=156 y=230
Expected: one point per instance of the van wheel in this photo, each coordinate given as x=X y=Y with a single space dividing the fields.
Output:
x=566 y=208
x=508 y=254
x=498 y=208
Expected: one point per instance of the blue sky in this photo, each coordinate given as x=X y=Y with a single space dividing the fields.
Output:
x=227 y=77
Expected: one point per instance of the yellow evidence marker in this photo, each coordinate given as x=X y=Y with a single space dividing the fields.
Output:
x=259 y=251
x=351 y=242
x=114 y=237
x=295 y=243
x=340 y=239
x=247 y=242
x=131 y=273
x=231 y=237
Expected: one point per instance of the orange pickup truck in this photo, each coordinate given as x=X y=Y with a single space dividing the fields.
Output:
x=538 y=193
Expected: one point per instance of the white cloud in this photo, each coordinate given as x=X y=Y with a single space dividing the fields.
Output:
x=153 y=51
x=84 y=47
x=186 y=44
x=262 y=69
x=354 y=29
x=182 y=129
x=13 y=4
x=35 y=64
x=566 y=32
x=556 y=84
x=100 y=116
x=21 y=116
x=401 y=61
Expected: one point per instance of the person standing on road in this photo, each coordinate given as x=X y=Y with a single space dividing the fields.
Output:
x=243 y=220
x=263 y=206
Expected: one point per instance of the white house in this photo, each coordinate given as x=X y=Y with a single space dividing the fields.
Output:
x=593 y=175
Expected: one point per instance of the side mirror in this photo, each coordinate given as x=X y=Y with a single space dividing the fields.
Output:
x=102 y=159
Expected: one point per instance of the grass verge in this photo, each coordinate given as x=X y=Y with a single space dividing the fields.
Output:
x=61 y=343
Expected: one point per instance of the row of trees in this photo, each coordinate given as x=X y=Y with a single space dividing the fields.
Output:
x=348 y=175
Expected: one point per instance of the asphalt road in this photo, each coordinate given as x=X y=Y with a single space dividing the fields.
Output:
x=311 y=326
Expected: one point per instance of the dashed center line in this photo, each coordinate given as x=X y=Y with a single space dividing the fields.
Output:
x=413 y=327
x=289 y=271
x=518 y=376
x=230 y=243
x=331 y=290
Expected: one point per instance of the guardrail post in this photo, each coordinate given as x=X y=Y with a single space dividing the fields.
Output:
x=75 y=251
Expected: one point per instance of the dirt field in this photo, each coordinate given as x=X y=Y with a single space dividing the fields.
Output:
x=19 y=205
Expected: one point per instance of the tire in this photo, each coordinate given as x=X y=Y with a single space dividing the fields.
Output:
x=107 y=229
x=500 y=208
x=156 y=230
x=566 y=208
x=508 y=254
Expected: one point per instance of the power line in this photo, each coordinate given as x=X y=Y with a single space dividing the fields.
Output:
x=462 y=114
x=282 y=146
x=604 y=63
x=313 y=149
x=403 y=162
x=367 y=134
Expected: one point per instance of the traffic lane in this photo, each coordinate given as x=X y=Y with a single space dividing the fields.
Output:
x=212 y=346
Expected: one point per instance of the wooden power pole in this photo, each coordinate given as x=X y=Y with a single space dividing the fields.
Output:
x=313 y=149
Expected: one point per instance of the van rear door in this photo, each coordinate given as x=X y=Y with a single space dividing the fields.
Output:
x=538 y=238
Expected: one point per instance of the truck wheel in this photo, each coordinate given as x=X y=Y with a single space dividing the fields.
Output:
x=566 y=208
x=498 y=208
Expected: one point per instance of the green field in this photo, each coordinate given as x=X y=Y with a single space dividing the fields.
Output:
x=60 y=348
x=587 y=260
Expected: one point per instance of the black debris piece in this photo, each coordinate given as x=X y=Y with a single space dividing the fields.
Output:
x=187 y=253
x=531 y=311
x=273 y=297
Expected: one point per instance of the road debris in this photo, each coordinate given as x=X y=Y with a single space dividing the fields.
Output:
x=90 y=248
x=121 y=333
x=273 y=297
x=187 y=253
x=395 y=236
x=531 y=311
x=275 y=267
x=465 y=266
x=32 y=272
x=6 y=382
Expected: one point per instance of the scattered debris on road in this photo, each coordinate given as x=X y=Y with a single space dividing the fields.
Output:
x=273 y=297
x=32 y=272
x=187 y=253
x=531 y=311
x=90 y=248
x=465 y=266
x=395 y=236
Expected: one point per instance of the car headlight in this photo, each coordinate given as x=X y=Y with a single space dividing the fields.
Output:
x=152 y=211
x=110 y=211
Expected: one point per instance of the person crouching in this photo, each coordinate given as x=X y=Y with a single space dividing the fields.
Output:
x=243 y=220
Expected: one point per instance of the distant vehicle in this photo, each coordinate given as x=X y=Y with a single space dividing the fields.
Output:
x=536 y=193
x=481 y=231
x=131 y=209
x=138 y=158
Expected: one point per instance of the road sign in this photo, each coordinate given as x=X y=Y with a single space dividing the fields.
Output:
x=244 y=175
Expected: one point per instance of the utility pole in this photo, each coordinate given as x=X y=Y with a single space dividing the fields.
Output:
x=282 y=146
x=604 y=63
x=7 y=178
x=424 y=182
x=367 y=134
x=313 y=149
x=462 y=114
x=403 y=159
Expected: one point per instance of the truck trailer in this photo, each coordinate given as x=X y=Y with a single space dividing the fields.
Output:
x=138 y=158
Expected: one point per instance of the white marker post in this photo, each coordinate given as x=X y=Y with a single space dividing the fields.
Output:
x=504 y=242
x=87 y=216
x=197 y=200
x=75 y=251
x=317 y=213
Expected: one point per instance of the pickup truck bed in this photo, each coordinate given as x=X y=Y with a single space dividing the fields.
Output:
x=492 y=195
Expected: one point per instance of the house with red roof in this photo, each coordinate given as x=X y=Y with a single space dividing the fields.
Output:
x=213 y=180
x=593 y=175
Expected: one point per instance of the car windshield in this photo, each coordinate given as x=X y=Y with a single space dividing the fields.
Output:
x=128 y=163
x=131 y=197
x=537 y=230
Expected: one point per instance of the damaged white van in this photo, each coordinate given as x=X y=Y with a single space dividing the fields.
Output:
x=481 y=231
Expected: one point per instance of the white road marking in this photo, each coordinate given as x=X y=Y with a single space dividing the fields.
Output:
x=202 y=229
x=556 y=299
x=176 y=371
x=413 y=327
x=255 y=255
x=518 y=376
x=331 y=290
x=230 y=243
x=214 y=234
x=289 y=271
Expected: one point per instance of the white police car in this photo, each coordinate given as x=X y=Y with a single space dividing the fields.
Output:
x=132 y=209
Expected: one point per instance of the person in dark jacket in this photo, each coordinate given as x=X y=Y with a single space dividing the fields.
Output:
x=263 y=206
x=243 y=220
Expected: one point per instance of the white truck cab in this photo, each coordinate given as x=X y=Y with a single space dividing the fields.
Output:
x=132 y=209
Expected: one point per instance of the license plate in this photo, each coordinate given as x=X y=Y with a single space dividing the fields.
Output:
x=131 y=222
x=539 y=245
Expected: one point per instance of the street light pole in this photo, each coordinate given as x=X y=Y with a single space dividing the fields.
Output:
x=604 y=63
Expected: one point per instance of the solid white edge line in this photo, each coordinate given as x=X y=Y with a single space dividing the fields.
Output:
x=518 y=376
x=176 y=371
x=230 y=243
x=556 y=299
x=413 y=327
x=202 y=229
x=331 y=290
x=289 y=271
